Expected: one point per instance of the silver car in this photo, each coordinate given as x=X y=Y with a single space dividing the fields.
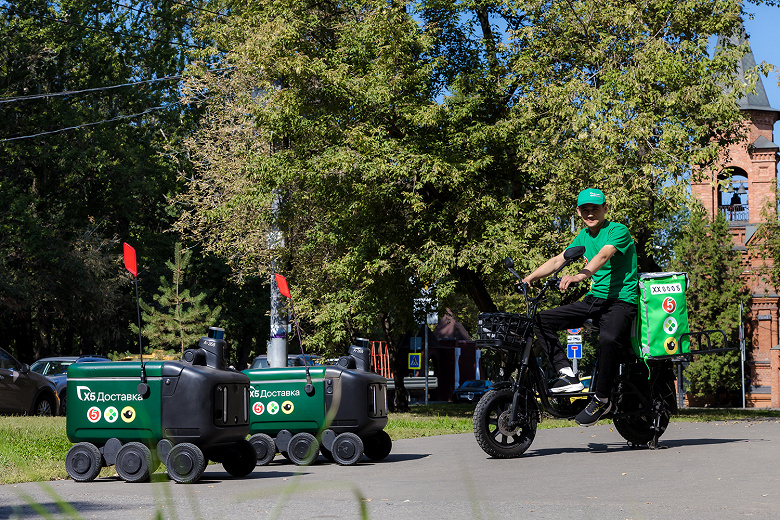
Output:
x=56 y=370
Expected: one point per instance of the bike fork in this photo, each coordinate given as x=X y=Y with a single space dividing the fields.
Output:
x=519 y=388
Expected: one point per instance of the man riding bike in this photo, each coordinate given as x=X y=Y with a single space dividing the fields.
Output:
x=611 y=303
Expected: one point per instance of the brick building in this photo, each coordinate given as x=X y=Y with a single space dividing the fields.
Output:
x=751 y=167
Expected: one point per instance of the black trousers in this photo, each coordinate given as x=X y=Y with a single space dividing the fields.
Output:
x=614 y=319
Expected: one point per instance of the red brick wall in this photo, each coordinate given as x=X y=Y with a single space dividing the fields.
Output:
x=760 y=167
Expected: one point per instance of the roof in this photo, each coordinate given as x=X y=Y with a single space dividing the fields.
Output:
x=752 y=101
x=762 y=143
x=74 y=358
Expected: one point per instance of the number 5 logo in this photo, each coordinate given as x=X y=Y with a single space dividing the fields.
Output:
x=670 y=305
x=93 y=414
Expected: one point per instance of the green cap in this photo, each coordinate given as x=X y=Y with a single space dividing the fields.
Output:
x=590 y=196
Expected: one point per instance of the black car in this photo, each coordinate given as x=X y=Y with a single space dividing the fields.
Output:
x=56 y=370
x=471 y=391
x=23 y=391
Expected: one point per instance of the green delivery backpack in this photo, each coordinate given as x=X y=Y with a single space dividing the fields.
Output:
x=663 y=315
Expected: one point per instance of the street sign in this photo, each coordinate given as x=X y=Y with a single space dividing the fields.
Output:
x=574 y=331
x=415 y=361
x=574 y=351
x=572 y=339
x=415 y=343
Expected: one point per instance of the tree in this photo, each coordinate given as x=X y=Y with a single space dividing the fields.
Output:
x=88 y=153
x=705 y=252
x=178 y=319
x=412 y=153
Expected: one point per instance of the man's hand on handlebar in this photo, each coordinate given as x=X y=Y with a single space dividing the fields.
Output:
x=569 y=281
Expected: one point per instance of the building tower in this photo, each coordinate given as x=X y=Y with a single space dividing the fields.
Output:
x=752 y=167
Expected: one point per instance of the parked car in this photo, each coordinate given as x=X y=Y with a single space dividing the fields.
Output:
x=23 y=391
x=56 y=370
x=471 y=391
x=293 y=360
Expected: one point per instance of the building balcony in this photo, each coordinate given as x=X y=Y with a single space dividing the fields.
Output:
x=735 y=213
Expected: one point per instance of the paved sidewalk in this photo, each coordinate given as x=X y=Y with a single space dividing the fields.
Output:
x=712 y=471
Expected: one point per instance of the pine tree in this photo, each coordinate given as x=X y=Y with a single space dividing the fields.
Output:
x=705 y=252
x=178 y=319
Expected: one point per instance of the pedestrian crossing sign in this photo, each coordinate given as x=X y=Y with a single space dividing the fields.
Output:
x=415 y=361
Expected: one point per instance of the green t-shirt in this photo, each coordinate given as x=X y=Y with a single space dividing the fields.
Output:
x=618 y=279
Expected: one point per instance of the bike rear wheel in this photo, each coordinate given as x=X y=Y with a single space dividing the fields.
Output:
x=638 y=428
x=491 y=429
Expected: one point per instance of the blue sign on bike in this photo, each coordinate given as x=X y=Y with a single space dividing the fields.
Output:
x=574 y=351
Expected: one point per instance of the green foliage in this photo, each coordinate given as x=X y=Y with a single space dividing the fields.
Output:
x=178 y=319
x=71 y=195
x=706 y=253
x=404 y=145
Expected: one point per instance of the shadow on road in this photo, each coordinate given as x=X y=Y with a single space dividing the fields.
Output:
x=53 y=509
x=619 y=448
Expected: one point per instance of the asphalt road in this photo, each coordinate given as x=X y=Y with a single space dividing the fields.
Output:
x=706 y=471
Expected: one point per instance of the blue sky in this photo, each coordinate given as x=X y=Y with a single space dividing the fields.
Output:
x=764 y=36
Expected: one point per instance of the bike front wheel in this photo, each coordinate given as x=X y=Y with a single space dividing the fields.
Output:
x=491 y=424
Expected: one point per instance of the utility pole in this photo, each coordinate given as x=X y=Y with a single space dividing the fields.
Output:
x=742 y=352
x=277 y=346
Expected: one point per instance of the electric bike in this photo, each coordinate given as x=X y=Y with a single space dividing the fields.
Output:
x=506 y=418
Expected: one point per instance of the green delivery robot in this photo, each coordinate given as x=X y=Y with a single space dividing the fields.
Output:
x=183 y=413
x=339 y=410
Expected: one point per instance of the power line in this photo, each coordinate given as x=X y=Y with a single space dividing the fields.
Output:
x=117 y=118
x=98 y=89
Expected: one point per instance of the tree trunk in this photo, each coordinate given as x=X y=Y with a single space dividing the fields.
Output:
x=43 y=345
x=243 y=346
x=476 y=289
x=645 y=261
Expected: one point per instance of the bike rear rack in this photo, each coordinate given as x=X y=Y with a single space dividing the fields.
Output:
x=706 y=335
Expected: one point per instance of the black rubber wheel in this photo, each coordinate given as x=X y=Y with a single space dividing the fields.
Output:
x=44 y=406
x=637 y=428
x=241 y=459
x=347 y=449
x=185 y=463
x=378 y=446
x=83 y=462
x=265 y=448
x=303 y=449
x=490 y=424
x=63 y=403
x=133 y=462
